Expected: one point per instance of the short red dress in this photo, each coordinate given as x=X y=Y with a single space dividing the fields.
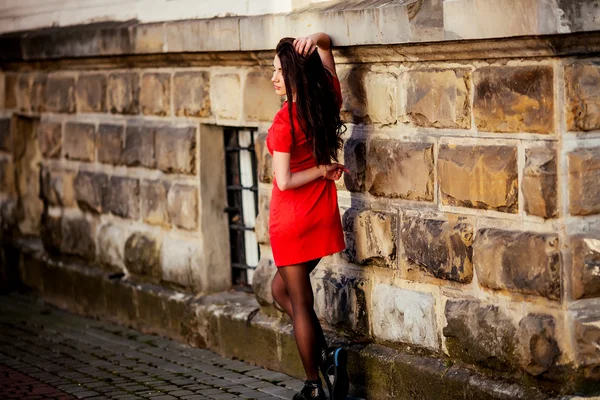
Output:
x=304 y=222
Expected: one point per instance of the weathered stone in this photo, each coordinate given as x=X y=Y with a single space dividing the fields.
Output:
x=261 y=227
x=514 y=99
x=89 y=190
x=110 y=143
x=111 y=247
x=149 y=38
x=91 y=93
x=355 y=159
x=38 y=92
x=142 y=256
x=585 y=265
x=540 y=182
x=139 y=146
x=155 y=97
x=6 y=142
x=154 y=203
x=182 y=203
x=439 y=98
x=443 y=249
x=582 y=99
x=7 y=177
x=175 y=150
x=122 y=197
x=381 y=89
x=121 y=300
x=58 y=187
x=50 y=139
x=51 y=233
x=352 y=82
x=587 y=337
x=524 y=262
x=400 y=170
x=262 y=280
x=80 y=141
x=264 y=159
x=78 y=238
x=123 y=92
x=261 y=102
x=536 y=347
x=479 y=177
x=479 y=333
x=60 y=94
x=370 y=237
x=10 y=91
x=23 y=92
x=181 y=266
x=400 y=315
x=225 y=92
x=584 y=181
x=191 y=94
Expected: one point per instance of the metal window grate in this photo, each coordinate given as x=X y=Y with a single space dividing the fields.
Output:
x=242 y=203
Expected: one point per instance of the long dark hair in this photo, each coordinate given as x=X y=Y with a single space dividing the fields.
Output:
x=316 y=101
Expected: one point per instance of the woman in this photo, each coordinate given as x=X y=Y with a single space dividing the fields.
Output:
x=305 y=221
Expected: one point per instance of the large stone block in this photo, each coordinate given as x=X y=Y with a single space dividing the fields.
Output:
x=400 y=315
x=139 y=146
x=264 y=159
x=225 y=94
x=123 y=91
x=261 y=103
x=439 y=98
x=181 y=265
x=121 y=300
x=91 y=93
x=442 y=248
x=122 y=197
x=78 y=237
x=584 y=181
x=479 y=176
x=142 y=256
x=154 y=203
x=478 y=333
x=524 y=262
x=175 y=150
x=514 y=99
x=89 y=190
x=110 y=143
x=10 y=91
x=585 y=265
x=352 y=82
x=355 y=159
x=23 y=90
x=51 y=233
x=371 y=237
x=536 y=347
x=111 y=246
x=582 y=97
x=38 y=92
x=182 y=203
x=262 y=281
x=540 y=182
x=6 y=141
x=50 y=139
x=191 y=94
x=400 y=170
x=7 y=177
x=60 y=94
x=587 y=338
x=80 y=141
x=381 y=89
x=58 y=187
x=261 y=227
x=155 y=97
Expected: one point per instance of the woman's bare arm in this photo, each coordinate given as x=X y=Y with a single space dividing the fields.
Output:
x=322 y=43
x=290 y=180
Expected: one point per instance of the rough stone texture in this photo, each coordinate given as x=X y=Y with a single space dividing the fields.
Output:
x=142 y=256
x=60 y=94
x=154 y=202
x=587 y=338
x=514 y=99
x=191 y=94
x=264 y=159
x=38 y=93
x=51 y=233
x=91 y=93
x=180 y=261
x=439 y=99
x=139 y=146
x=78 y=238
x=583 y=101
x=584 y=181
x=155 y=97
x=89 y=190
x=536 y=346
x=58 y=187
x=406 y=316
x=352 y=82
x=442 y=248
x=50 y=139
x=355 y=159
x=585 y=266
x=7 y=177
x=225 y=94
x=6 y=141
x=23 y=90
x=479 y=177
x=478 y=333
x=400 y=170
x=175 y=150
x=123 y=92
x=540 y=182
x=370 y=237
x=111 y=247
x=524 y=262
x=10 y=91
x=262 y=280
x=261 y=226
x=381 y=89
x=80 y=141
x=182 y=203
x=110 y=143
x=122 y=197
x=261 y=102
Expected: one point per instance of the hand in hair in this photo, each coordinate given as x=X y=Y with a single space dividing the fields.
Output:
x=305 y=46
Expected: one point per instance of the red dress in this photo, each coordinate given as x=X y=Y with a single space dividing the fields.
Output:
x=304 y=222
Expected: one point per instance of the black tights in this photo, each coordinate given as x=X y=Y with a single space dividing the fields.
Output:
x=293 y=292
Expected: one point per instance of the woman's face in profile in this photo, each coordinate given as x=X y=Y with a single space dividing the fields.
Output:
x=277 y=78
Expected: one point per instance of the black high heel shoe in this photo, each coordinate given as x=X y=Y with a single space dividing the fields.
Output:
x=312 y=390
x=334 y=361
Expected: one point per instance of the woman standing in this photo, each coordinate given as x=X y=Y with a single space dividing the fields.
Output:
x=305 y=224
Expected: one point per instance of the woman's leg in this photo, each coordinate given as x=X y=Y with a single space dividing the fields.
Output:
x=281 y=296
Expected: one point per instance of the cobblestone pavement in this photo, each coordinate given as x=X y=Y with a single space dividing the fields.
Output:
x=49 y=354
